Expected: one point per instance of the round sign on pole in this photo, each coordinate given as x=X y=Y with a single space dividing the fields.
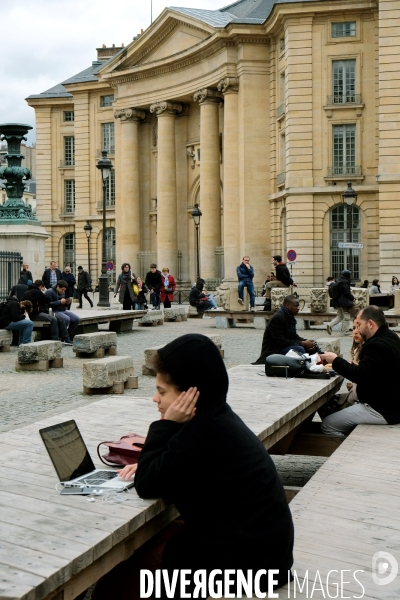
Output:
x=110 y=265
x=291 y=255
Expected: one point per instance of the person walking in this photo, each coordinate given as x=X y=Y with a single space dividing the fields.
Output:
x=51 y=275
x=167 y=288
x=283 y=279
x=67 y=276
x=13 y=318
x=245 y=274
x=124 y=286
x=84 y=285
x=60 y=305
x=343 y=301
x=40 y=312
x=153 y=281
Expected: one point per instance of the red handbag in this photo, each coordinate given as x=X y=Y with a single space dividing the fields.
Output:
x=124 y=452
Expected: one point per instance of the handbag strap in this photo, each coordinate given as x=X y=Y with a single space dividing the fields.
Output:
x=101 y=458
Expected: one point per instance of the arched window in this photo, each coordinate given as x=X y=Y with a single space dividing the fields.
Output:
x=110 y=251
x=345 y=228
x=69 y=251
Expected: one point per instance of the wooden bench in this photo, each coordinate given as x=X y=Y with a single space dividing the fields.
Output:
x=56 y=546
x=39 y=356
x=109 y=375
x=95 y=345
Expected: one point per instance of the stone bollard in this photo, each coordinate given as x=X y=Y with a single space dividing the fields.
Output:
x=39 y=356
x=319 y=300
x=100 y=375
x=95 y=345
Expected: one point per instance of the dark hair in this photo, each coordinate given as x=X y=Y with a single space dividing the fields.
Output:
x=125 y=265
x=289 y=299
x=28 y=305
x=393 y=278
x=158 y=366
x=372 y=313
x=62 y=284
x=39 y=283
x=330 y=278
x=375 y=282
x=278 y=258
x=153 y=266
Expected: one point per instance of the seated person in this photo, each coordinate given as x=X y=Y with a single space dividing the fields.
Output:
x=210 y=298
x=60 y=305
x=395 y=285
x=378 y=361
x=13 y=318
x=21 y=288
x=40 y=302
x=280 y=335
x=375 y=287
x=198 y=298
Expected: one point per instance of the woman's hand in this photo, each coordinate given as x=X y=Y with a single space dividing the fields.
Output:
x=127 y=472
x=183 y=408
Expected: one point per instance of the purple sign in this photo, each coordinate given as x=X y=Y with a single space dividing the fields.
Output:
x=110 y=266
x=291 y=255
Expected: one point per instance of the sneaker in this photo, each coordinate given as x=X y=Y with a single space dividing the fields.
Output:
x=240 y=301
x=206 y=317
x=252 y=309
x=329 y=329
x=67 y=342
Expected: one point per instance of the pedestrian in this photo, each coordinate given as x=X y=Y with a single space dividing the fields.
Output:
x=51 y=275
x=283 y=279
x=124 y=286
x=153 y=281
x=40 y=312
x=67 y=276
x=141 y=302
x=199 y=299
x=245 y=274
x=365 y=285
x=375 y=375
x=329 y=281
x=167 y=288
x=21 y=288
x=25 y=273
x=395 y=285
x=84 y=285
x=13 y=318
x=375 y=287
x=343 y=301
x=60 y=305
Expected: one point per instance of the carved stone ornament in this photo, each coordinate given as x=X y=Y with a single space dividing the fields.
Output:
x=319 y=300
x=166 y=108
x=228 y=84
x=277 y=296
x=207 y=95
x=130 y=114
x=191 y=154
x=361 y=297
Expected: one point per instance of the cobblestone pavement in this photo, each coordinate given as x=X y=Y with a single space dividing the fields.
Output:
x=28 y=396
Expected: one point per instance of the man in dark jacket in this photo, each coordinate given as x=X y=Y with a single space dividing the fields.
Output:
x=343 y=301
x=283 y=279
x=40 y=303
x=60 y=305
x=21 y=288
x=83 y=286
x=12 y=318
x=375 y=375
x=25 y=273
x=198 y=298
x=280 y=335
x=245 y=274
x=153 y=281
x=51 y=275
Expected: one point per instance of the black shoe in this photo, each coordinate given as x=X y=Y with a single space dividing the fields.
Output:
x=79 y=307
x=67 y=342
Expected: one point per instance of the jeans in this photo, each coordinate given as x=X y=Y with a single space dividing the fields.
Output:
x=295 y=348
x=24 y=328
x=84 y=293
x=57 y=327
x=139 y=306
x=155 y=298
x=343 y=422
x=206 y=305
x=71 y=320
x=211 y=300
x=250 y=288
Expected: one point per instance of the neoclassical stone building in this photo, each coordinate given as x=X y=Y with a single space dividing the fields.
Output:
x=260 y=113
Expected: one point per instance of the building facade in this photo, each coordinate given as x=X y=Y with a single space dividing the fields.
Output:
x=258 y=112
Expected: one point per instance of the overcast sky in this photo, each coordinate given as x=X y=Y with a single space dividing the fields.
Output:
x=43 y=42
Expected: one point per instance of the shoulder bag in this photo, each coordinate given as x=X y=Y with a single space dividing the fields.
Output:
x=124 y=452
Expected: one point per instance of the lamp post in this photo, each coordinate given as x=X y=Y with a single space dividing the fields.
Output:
x=197 y=214
x=105 y=166
x=88 y=231
x=349 y=197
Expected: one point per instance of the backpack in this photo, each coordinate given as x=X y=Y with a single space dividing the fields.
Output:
x=334 y=290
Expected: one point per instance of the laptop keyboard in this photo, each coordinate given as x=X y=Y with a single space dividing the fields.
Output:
x=103 y=476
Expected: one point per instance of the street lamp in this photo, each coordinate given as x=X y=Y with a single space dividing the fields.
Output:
x=88 y=231
x=349 y=197
x=105 y=166
x=197 y=214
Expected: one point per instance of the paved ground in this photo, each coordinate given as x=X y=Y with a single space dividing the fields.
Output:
x=28 y=396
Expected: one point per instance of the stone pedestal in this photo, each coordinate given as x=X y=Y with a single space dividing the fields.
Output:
x=319 y=300
x=277 y=296
x=361 y=297
x=397 y=302
x=29 y=240
x=228 y=296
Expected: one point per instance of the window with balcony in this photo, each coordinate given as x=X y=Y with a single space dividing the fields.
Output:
x=107 y=137
x=345 y=227
x=69 y=196
x=344 y=150
x=69 y=115
x=69 y=151
x=345 y=29
x=69 y=251
x=107 y=100
x=343 y=82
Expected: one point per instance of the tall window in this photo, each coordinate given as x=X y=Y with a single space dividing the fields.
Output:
x=107 y=137
x=69 y=251
x=69 y=196
x=344 y=81
x=110 y=251
x=344 y=150
x=69 y=150
x=69 y=115
x=345 y=29
x=345 y=227
x=106 y=100
x=110 y=189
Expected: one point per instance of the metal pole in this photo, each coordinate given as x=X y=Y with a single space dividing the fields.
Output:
x=197 y=249
x=104 y=299
x=88 y=253
x=351 y=239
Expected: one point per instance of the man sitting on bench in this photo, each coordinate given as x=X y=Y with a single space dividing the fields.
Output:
x=280 y=335
x=379 y=361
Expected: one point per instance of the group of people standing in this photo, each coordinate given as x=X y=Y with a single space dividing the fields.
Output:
x=132 y=289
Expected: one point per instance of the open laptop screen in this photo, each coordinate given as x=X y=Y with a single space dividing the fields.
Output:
x=67 y=450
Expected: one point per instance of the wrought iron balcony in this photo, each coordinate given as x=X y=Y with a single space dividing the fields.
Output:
x=340 y=99
x=280 y=179
x=338 y=171
x=280 y=111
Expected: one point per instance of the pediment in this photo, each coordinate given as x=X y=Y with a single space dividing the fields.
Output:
x=181 y=38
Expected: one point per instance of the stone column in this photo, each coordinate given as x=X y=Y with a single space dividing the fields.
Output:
x=166 y=185
x=210 y=179
x=229 y=86
x=127 y=212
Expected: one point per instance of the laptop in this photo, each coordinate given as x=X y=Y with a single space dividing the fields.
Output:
x=72 y=462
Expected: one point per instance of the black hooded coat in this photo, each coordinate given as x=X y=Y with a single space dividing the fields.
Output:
x=217 y=473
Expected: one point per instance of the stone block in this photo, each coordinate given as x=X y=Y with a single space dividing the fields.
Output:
x=153 y=317
x=39 y=351
x=330 y=344
x=277 y=296
x=396 y=310
x=361 y=297
x=228 y=297
x=147 y=368
x=5 y=340
x=224 y=322
x=104 y=372
x=177 y=313
x=40 y=365
x=132 y=383
x=56 y=363
x=260 y=323
x=89 y=343
x=193 y=313
x=319 y=300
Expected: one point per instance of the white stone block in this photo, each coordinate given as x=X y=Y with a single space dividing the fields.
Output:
x=152 y=316
x=39 y=351
x=177 y=313
x=103 y=372
x=90 y=342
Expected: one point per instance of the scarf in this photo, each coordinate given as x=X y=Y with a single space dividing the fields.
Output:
x=290 y=319
x=166 y=280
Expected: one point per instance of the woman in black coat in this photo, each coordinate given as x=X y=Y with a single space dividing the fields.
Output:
x=201 y=457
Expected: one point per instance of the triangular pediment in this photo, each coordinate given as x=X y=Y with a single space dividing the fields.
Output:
x=180 y=39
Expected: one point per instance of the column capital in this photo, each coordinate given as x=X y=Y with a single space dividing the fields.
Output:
x=207 y=96
x=228 y=85
x=166 y=108
x=129 y=115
